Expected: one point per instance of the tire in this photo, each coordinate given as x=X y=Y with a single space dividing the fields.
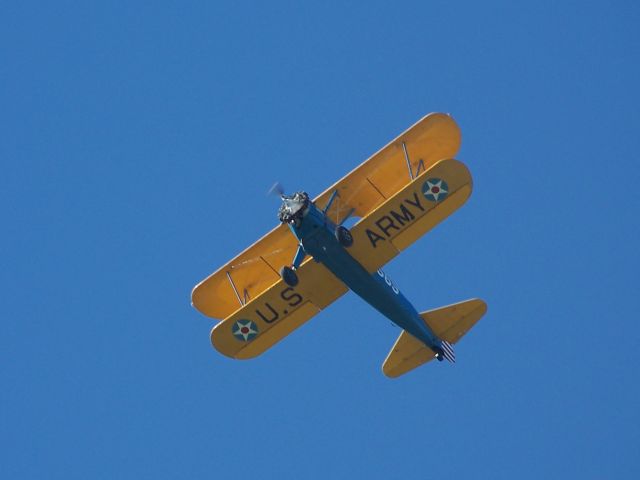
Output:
x=344 y=236
x=289 y=276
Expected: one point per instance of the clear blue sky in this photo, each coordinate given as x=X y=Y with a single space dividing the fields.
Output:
x=137 y=142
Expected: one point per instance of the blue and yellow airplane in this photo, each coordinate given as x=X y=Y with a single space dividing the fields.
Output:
x=311 y=259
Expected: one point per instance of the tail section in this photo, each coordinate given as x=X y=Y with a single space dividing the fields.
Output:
x=448 y=323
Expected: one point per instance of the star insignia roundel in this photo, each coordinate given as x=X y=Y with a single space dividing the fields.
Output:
x=435 y=189
x=244 y=330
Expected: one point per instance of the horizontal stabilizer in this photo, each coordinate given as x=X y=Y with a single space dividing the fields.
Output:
x=407 y=353
x=452 y=322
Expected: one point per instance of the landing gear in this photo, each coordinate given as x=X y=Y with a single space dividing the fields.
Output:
x=344 y=236
x=289 y=276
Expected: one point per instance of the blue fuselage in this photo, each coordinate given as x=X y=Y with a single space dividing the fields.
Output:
x=316 y=233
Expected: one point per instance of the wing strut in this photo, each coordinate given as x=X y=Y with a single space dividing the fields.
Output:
x=235 y=290
x=297 y=260
x=348 y=215
x=331 y=199
x=406 y=156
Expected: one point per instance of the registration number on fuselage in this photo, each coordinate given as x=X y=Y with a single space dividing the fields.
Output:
x=388 y=281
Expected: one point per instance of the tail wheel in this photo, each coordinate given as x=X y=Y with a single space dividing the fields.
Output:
x=344 y=236
x=289 y=276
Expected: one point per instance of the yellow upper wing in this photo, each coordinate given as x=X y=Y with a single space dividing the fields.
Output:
x=435 y=137
x=246 y=276
x=253 y=271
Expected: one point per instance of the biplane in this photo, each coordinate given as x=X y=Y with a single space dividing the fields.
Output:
x=311 y=259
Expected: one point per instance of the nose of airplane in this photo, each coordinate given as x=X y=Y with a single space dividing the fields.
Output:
x=293 y=207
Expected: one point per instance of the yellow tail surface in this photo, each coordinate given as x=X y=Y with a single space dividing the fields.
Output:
x=448 y=323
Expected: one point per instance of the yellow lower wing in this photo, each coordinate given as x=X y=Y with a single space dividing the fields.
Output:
x=410 y=213
x=276 y=312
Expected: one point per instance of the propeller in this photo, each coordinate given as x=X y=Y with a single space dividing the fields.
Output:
x=276 y=189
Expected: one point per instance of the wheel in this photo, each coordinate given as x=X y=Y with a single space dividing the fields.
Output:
x=289 y=276
x=344 y=236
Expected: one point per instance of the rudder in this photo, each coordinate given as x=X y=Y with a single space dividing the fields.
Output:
x=447 y=351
